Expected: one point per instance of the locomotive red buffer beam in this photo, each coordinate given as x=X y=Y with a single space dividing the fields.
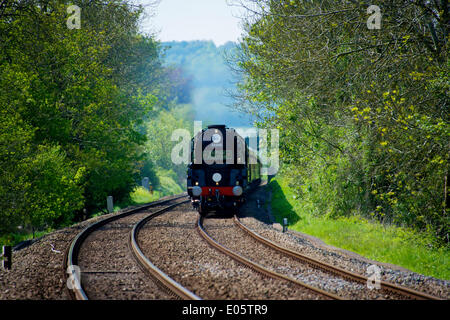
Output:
x=235 y=191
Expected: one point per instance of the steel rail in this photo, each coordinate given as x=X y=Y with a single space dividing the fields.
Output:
x=153 y=270
x=414 y=294
x=71 y=258
x=255 y=266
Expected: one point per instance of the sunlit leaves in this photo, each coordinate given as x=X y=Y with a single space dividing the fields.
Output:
x=71 y=101
x=371 y=103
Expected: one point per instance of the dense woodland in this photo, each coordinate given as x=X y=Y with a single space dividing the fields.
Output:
x=363 y=112
x=89 y=112
x=77 y=107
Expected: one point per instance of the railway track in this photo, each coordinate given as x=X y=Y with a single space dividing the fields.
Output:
x=257 y=267
x=172 y=242
x=122 y=222
x=134 y=220
x=351 y=276
x=168 y=282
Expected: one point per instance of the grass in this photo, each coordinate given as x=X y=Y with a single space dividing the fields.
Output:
x=15 y=238
x=139 y=195
x=384 y=243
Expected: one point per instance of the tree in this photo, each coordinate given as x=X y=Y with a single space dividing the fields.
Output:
x=74 y=100
x=366 y=109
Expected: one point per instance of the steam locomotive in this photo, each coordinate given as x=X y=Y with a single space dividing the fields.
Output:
x=221 y=171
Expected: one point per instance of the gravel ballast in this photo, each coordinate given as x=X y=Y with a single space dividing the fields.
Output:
x=108 y=267
x=261 y=221
x=38 y=271
x=231 y=236
x=174 y=245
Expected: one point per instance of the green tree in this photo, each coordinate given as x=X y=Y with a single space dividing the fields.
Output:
x=363 y=112
x=73 y=102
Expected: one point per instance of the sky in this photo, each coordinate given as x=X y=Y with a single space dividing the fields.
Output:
x=195 y=20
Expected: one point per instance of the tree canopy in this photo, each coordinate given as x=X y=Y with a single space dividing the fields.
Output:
x=72 y=102
x=362 y=111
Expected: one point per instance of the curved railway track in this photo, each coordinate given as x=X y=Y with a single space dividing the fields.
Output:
x=390 y=287
x=172 y=242
x=132 y=226
x=257 y=267
x=168 y=282
x=75 y=285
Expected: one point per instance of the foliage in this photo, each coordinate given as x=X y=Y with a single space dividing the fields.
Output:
x=169 y=184
x=363 y=113
x=72 y=102
x=142 y=196
x=159 y=144
x=401 y=246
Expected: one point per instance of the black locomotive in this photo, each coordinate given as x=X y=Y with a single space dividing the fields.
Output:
x=222 y=170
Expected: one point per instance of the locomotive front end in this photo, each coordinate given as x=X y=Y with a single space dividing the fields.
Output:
x=217 y=174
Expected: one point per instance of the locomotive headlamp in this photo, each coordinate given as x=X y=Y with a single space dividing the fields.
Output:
x=237 y=191
x=216 y=138
x=196 y=191
x=217 y=177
